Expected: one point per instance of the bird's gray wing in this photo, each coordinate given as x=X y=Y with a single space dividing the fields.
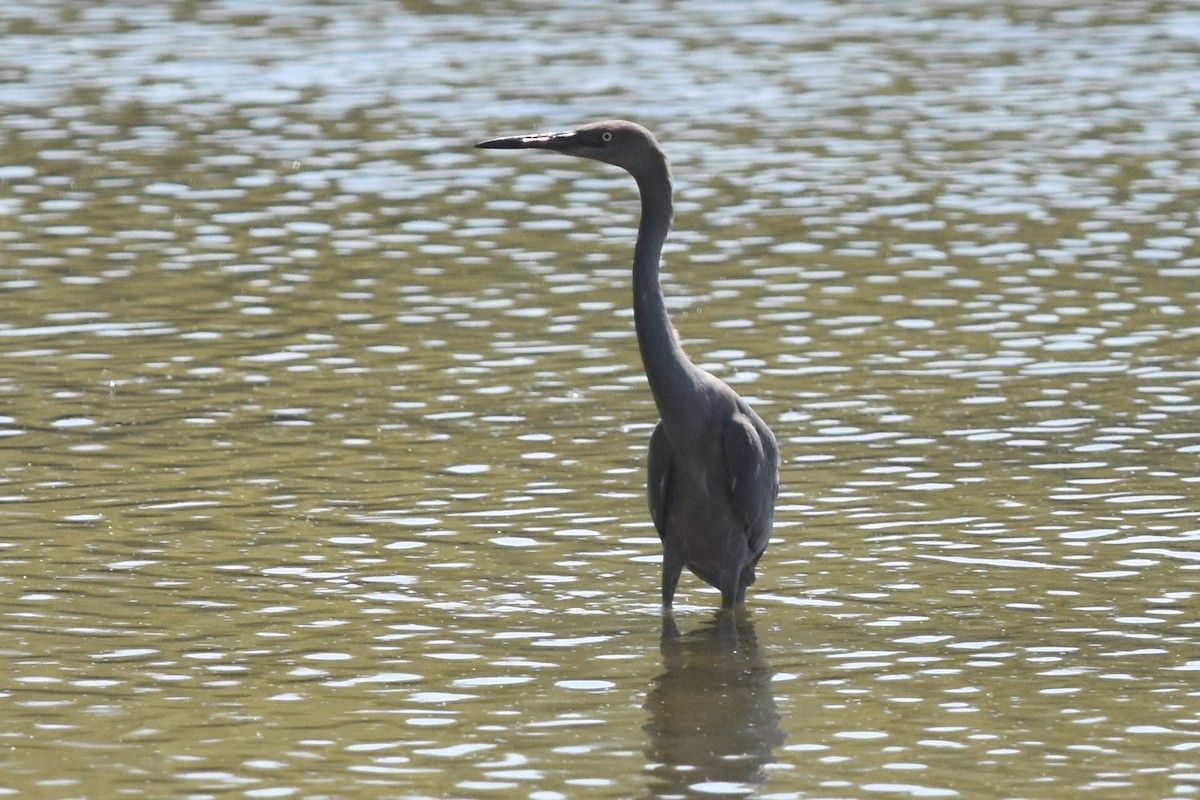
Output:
x=752 y=460
x=658 y=478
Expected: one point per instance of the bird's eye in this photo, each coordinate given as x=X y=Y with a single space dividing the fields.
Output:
x=606 y=136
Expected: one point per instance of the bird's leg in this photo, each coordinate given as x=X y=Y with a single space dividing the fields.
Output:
x=741 y=593
x=672 y=565
x=733 y=594
x=726 y=623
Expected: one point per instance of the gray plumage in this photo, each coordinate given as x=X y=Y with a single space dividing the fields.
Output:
x=713 y=467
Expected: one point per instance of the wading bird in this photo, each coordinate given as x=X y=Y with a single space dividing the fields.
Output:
x=713 y=463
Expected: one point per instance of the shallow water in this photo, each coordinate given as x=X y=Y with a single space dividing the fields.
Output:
x=324 y=434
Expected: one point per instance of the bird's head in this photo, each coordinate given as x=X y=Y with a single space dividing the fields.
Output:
x=618 y=142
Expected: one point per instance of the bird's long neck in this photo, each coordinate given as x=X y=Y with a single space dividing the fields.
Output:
x=667 y=368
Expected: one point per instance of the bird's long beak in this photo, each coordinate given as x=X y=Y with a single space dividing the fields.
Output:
x=540 y=141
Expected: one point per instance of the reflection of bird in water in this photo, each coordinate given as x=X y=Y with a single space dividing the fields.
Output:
x=713 y=464
x=712 y=712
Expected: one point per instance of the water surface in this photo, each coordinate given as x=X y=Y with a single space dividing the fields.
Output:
x=324 y=434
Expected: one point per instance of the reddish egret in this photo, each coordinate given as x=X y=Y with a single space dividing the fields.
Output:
x=713 y=464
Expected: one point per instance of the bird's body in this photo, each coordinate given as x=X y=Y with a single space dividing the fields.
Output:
x=713 y=467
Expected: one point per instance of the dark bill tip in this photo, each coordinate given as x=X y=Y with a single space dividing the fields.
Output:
x=533 y=140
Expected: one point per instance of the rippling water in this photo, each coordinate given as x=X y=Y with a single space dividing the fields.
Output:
x=323 y=434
